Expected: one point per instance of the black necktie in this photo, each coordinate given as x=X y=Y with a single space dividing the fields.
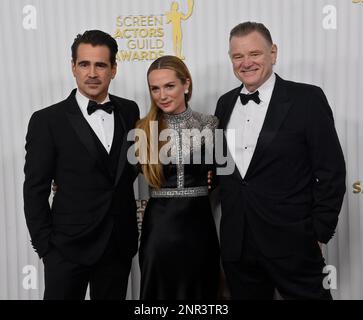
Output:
x=247 y=97
x=93 y=106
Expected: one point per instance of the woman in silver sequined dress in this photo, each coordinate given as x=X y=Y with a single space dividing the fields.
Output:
x=179 y=250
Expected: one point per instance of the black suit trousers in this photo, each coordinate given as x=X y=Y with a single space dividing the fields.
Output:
x=107 y=278
x=255 y=277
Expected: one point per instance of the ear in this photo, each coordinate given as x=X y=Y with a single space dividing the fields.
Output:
x=274 y=53
x=186 y=84
x=73 y=68
x=114 y=71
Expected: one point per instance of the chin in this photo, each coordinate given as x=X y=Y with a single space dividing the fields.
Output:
x=250 y=83
x=169 y=109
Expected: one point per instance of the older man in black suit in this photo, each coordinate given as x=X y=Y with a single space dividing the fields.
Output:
x=285 y=194
x=89 y=234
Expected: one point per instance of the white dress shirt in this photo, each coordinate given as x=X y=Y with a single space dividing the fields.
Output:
x=101 y=122
x=245 y=125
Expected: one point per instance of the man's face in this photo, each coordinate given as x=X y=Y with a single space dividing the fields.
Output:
x=93 y=71
x=252 y=59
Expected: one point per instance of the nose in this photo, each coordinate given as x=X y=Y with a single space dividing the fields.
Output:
x=92 y=72
x=247 y=62
x=162 y=94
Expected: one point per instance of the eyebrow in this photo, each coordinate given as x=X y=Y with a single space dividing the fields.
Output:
x=99 y=63
x=168 y=83
x=237 y=54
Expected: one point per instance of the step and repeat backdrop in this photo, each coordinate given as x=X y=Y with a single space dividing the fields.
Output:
x=319 y=42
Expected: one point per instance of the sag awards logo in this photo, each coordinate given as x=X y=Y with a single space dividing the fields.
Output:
x=357 y=1
x=147 y=37
x=357 y=187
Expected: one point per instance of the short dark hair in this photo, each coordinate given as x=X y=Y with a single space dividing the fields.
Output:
x=95 y=38
x=248 y=27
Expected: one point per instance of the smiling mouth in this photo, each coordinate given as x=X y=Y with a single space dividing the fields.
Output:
x=249 y=71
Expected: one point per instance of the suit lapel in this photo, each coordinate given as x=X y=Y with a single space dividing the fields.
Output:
x=119 y=112
x=276 y=113
x=228 y=109
x=83 y=130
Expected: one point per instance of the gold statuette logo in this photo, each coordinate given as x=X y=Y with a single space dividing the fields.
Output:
x=175 y=17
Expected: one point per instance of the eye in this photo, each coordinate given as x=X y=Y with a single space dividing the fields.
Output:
x=170 y=86
x=236 y=58
x=101 y=65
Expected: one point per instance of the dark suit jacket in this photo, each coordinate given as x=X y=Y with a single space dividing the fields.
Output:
x=293 y=189
x=90 y=201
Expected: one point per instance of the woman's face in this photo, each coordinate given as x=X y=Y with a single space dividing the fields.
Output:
x=167 y=90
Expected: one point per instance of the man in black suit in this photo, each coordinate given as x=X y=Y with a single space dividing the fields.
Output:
x=283 y=199
x=89 y=234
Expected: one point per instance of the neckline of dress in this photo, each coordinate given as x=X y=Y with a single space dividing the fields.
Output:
x=180 y=117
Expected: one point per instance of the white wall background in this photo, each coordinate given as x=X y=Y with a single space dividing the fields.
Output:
x=35 y=72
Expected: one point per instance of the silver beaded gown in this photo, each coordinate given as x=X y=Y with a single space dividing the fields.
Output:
x=179 y=249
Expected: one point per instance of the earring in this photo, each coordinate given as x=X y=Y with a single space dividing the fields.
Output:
x=186 y=91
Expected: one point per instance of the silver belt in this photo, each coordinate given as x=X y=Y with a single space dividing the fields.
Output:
x=179 y=192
